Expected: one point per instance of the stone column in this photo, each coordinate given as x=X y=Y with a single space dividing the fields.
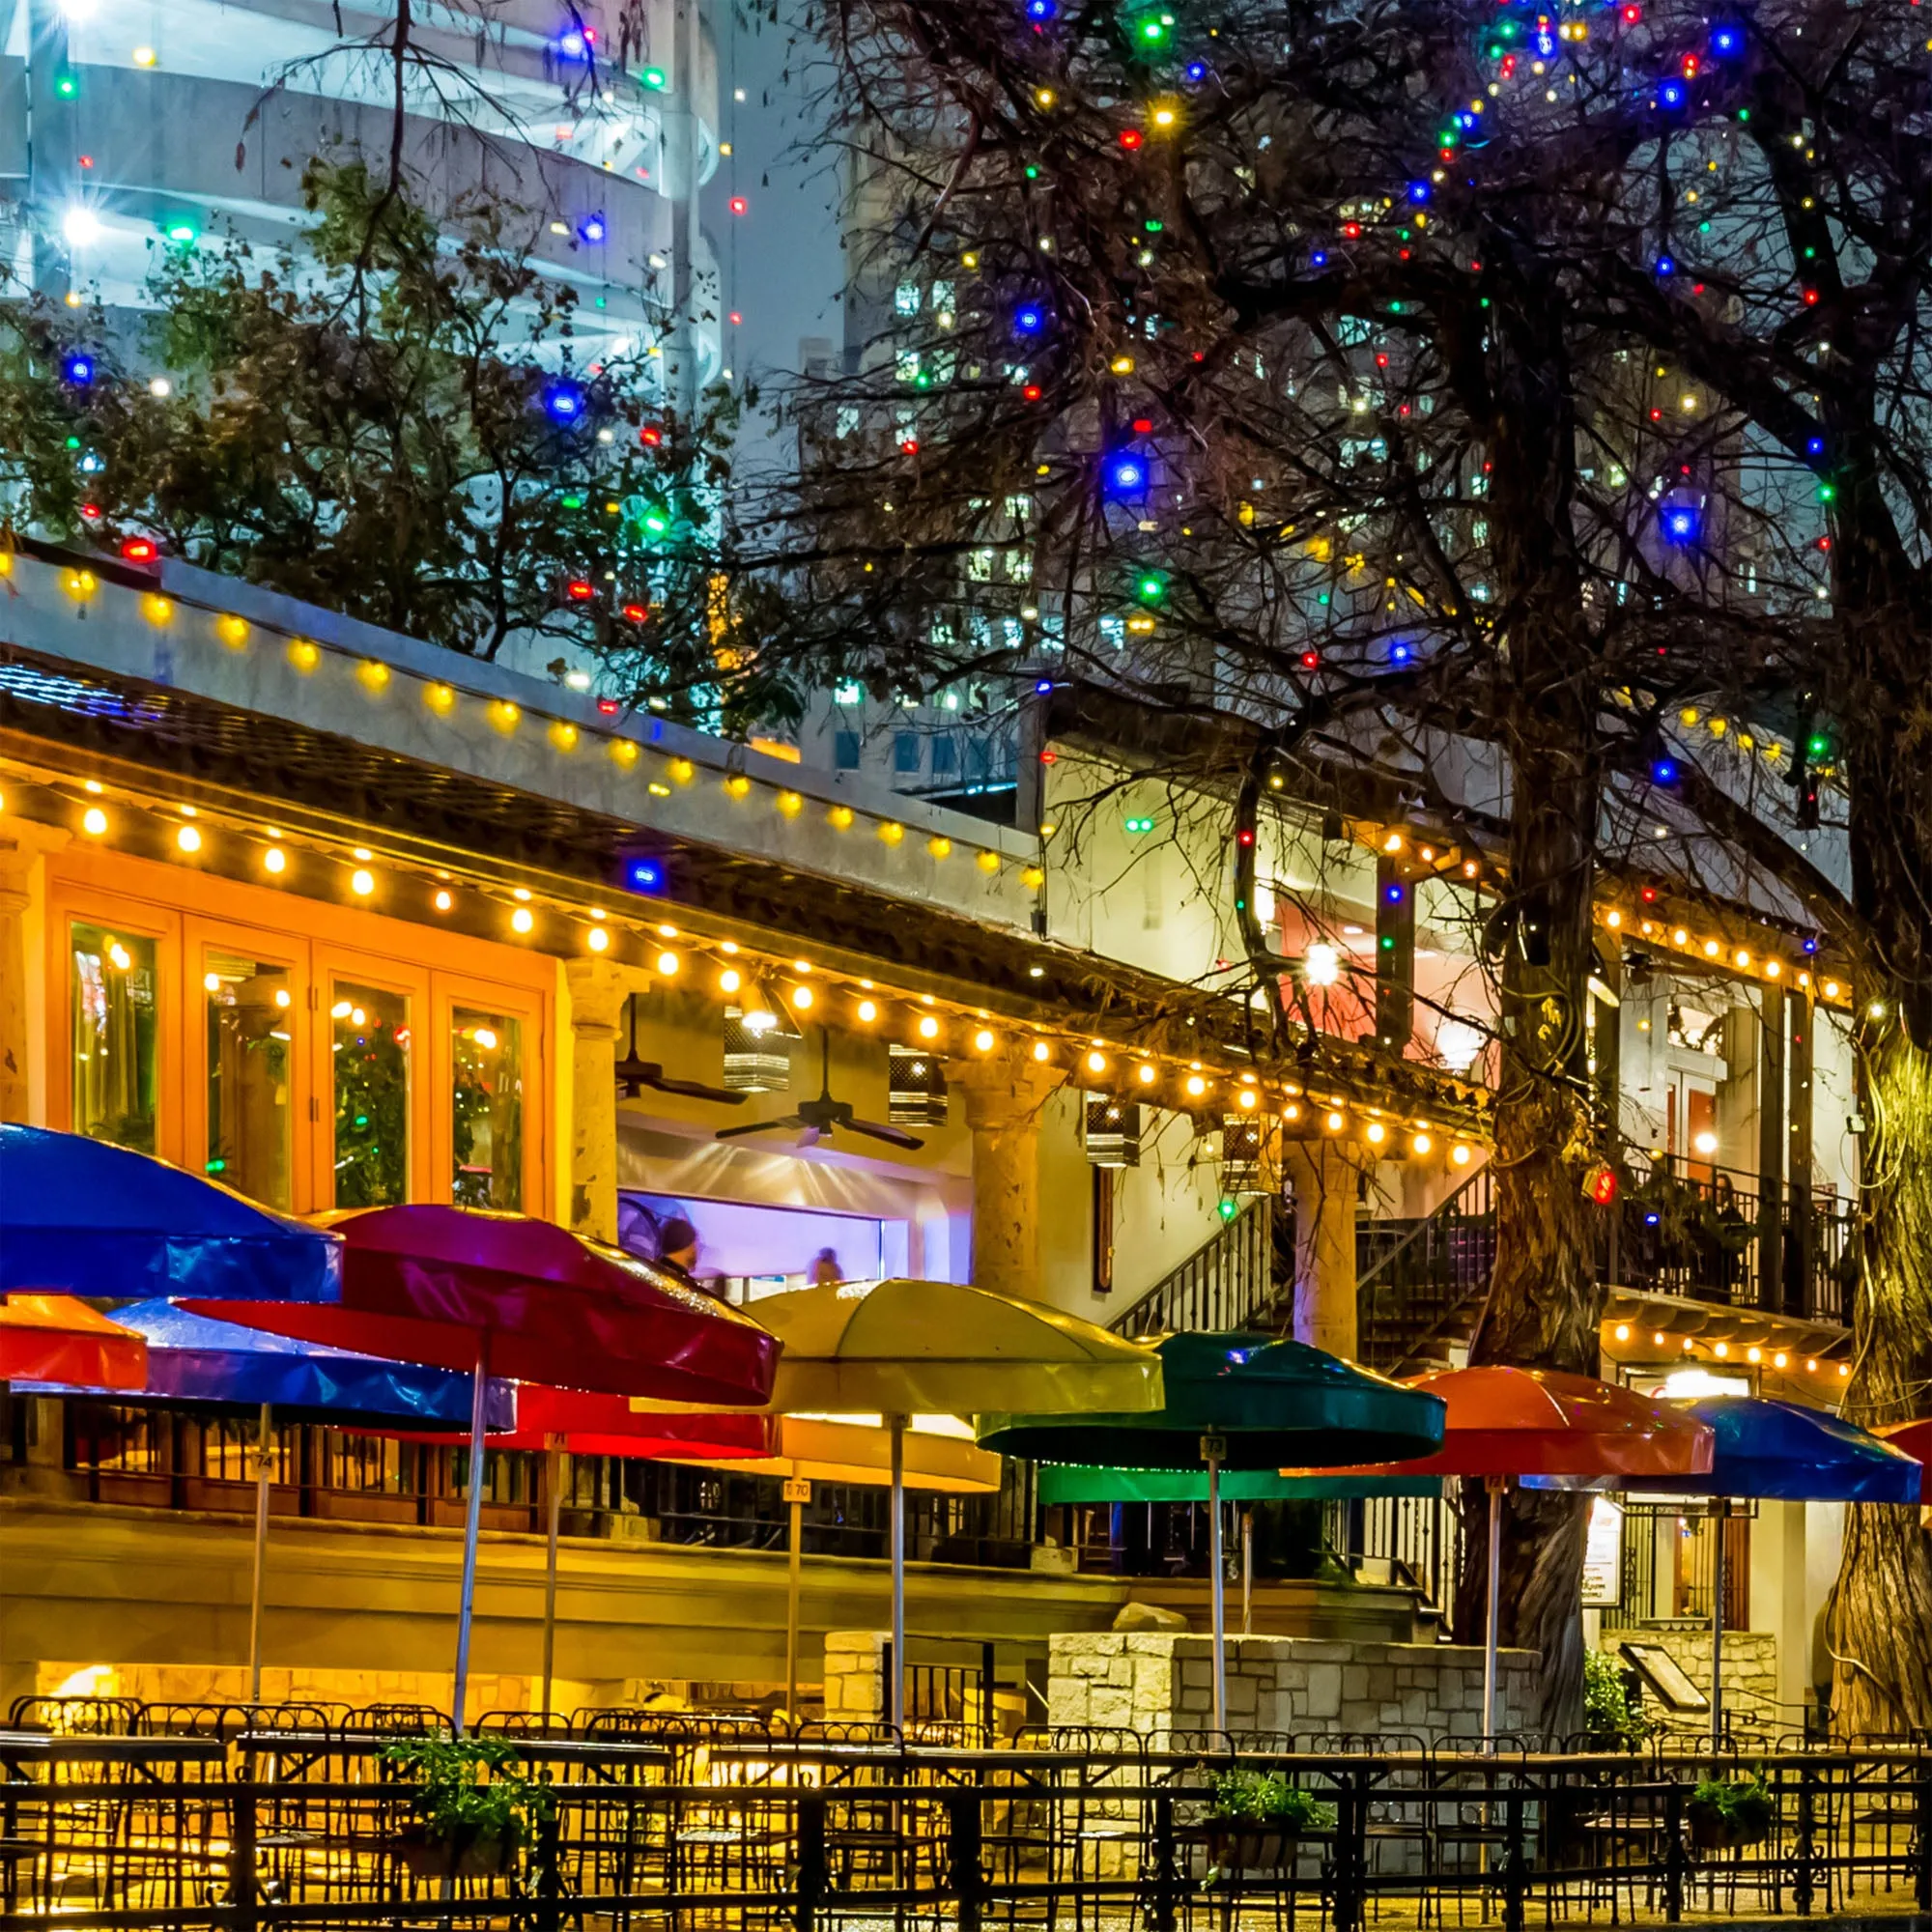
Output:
x=598 y=990
x=1322 y=1176
x=1002 y=1098
x=22 y=845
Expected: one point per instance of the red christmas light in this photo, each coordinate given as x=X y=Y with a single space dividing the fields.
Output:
x=650 y=436
x=139 y=550
x=580 y=589
x=1601 y=1186
x=739 y=204
x=1143 y=425
x=633 y=613
x=1131 y=138
x=1031 y=393
x=609 y=707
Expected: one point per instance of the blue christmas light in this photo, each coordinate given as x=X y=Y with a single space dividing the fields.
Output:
x=1418 y=191
x=78 y=369
x=644 y=875
x=563 y=402
x=1400 y=654
x=1393 y=892
x=1727 y=40
x=572 y=46
x=1039 y=10
x=1127 y=475
x=1320 y=258
x=1196 y=70
x=592 y=228
x=1663 y=771
x=1680 y=525
x=1029 y=321
x=1673 y=93
x=1810 y=946
x=1043 y=688
x=1816 y=447
x=1665 y=265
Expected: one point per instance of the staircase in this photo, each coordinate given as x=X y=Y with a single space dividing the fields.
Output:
x=1236 y=1279
x=1420 y=1285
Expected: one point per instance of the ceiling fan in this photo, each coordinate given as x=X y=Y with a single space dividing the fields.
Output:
x=635 y=1075
x=816 y=1120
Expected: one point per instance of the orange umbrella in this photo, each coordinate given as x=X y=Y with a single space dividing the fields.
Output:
x=53 y=1338
x=1504 y=1423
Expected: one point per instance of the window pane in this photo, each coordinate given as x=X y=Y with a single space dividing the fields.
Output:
x=251 y=1117
x=486 y=1110
x=371 y=1054
x=115 y=1073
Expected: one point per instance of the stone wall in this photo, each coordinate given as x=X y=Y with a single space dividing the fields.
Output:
x=1160 y=1682
x=1749 y=1672
x=855 y=1676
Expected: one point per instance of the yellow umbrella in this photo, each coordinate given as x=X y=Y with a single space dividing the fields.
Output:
x=859 y=1449
x=942 y=1347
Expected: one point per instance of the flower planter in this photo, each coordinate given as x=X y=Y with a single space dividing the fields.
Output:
x=1250 y=1846
x=1710 y=1831
x=466 y=1854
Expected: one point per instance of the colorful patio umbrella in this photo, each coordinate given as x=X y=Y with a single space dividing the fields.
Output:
x=1916 y=1439
x=1247 y=1400
x=859 y=1449
x=1780 y=1451
x=577 y=1422
x=195 y=1360
x=1507 y=1423
x=53 y=1338
x=1069 y=1483
x=462 y=1288
x=938 y=1347
x=85 y=1217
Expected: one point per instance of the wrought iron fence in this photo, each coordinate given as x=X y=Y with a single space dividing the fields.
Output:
x=679 y=1821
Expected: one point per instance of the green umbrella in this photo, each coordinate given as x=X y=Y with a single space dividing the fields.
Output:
x=1249 y=1402
x=1092 y=1483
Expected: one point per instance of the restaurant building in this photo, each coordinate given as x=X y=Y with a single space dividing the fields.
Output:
x=343 y=920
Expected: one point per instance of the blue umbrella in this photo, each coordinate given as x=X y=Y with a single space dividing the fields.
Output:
x=195 y=1359
x=83 y=1217
x=1780 y=1451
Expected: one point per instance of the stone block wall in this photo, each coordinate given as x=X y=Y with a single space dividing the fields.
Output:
x=1158 y=1682
x=1750 y=1673
x=855 y=1675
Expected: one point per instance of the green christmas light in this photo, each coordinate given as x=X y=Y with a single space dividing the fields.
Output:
x=1151 y=587
x=1138 y=825
x=656 y=79
x=1229 y=1207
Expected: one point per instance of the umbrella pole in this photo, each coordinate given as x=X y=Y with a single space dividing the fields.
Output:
x=1495 y=1485
x=794 y=1581
x=554 y=1499
x=1720 y=1508
x=895 y=1690
x=260 y=1559
x=1247 y=1572
x=1219 y=1592
x=473 y=1523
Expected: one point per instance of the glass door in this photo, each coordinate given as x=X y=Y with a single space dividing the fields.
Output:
x=371 y=1150
x=488 y=1113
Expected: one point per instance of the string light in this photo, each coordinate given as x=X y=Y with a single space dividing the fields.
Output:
x=597 y=939
x=363 y=882
x=982 y=1040
x=522 y=920
x=188 y=838
x=667 y=964
x=274 y=860
x=730 y=979
x=928 y=1027
x=93 y=821
x=442 y=901
x=869 y=1011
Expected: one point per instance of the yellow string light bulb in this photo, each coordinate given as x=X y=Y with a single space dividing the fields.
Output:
x=361 y=882
x=93 y=821
x=868 y=1011
x=1041 y=1052
x=1334 y=1124
x=439 y=698
x=891 y=833
x=303 y=656
x=81 y=585
x=1421 y=1144
x=987 y=862
x=790 y=804
x=156 y=609
x=682 y=771
x=274 y=860
x=982 y=1040
x=504 y=717
x=624 y=753
x=1033 y=878
x=667 y=964
x=928 y=1027
x=840 y=816
x=597 y=939
x=563 y=734
x=738 y=785
x=522 y=920
x=1196 y=1087
x=187 y=838
x=730 y=979
x=940 y=847
x=1375 y=1133
x=442 y=901
x=372 y=676
x=1097 y=1063
x=1148 y=1075
x=802 y=998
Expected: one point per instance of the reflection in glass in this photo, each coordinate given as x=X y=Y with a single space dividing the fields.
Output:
x=112 y=996
x=486 y=1111
x=370 y=1048
x=250 y=1116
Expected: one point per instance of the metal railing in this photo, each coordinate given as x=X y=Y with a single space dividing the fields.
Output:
x=691 y=1820
x=1418 y=1284
x=1231 y=1281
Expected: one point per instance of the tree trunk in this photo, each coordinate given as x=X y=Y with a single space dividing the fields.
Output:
x=1879 y=1620
x=1543 y=1302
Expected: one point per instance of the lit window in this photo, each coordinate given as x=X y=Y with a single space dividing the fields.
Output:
x=116 y=1037
x=485 y=1104
x=370 y=1040
x=249 y=1008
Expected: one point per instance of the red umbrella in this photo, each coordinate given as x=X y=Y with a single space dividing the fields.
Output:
x=506 y=1294
x=571 y=1422
x=1916 y=1439
x=53 y=1338
x=1504 y=1423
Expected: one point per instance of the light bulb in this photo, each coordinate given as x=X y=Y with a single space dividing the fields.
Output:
x=94 y=820
x=802 y=998
x=928 y=1027
x=597 y=939
x=1375 y=1134
x=982 y=1040
x=667 y=964
x=1041 y=1051
x=275 y=859
x=1623 y=1331
x=1321 y=964
x=1421 y=1144
x=869 y=1012
x=1461 y=1156
x=1148 y=1075
x=211 y=982
x=361 y=882
x=1097 y=1063
x=442 y=901
x=730 y=979
x=188 y=838
x=522 y=920
x=1334 y=1124
x=1196 y=1087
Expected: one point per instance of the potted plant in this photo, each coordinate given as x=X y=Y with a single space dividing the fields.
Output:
x=475 y=1812
x=1256 y=1820
x=1725 y=1812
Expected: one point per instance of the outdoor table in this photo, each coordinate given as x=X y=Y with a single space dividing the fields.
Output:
x=27 y=1748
